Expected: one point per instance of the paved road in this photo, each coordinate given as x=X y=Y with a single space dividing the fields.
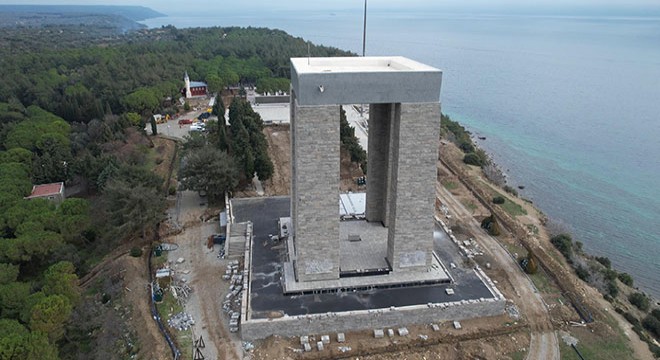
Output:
x=356 y=120
x=543 y=343
x=172 y=128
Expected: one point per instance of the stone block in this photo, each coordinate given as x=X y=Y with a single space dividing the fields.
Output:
x=319 y=345
x=378 y=333
x=325 y=339
x=403 y=331
x=341 y=337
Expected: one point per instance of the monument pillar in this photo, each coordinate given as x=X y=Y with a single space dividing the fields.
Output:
x=414 y=142
x=378 y=153
x=315 y=187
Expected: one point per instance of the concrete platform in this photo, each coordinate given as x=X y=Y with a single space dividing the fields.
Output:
x=435 y=275
x=269 y=311
x=359 y=260
x=369 y=253
x=266 y=271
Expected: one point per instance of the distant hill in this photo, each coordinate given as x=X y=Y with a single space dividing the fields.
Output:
x=123 y=18
x=135 y=13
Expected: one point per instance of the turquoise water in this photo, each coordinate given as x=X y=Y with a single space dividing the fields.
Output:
x=569 y=105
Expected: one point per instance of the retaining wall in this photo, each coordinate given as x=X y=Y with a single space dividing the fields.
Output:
x=370 y=319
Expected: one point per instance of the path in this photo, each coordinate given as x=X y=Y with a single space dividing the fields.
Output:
x=543 y=343
x=203 y=271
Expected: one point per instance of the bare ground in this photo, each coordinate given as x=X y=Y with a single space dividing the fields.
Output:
x=486 y=338
x=279 y=150
x=152 y=343
x=203 y=270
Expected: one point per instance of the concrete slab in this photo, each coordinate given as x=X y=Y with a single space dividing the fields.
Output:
x=273 y=113
x=358 y=259
x=367 y=254
x=266 y=298
x=363 y=80
x=434 y=275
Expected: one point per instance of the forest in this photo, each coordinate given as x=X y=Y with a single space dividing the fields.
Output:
x=73 y=108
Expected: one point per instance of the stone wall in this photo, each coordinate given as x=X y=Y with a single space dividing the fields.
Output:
x=380 y=119
x=370 y=319
x=315 y=145
x=414 y=142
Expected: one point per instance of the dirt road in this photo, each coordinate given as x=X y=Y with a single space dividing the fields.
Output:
x=203 y=270
x=543 y=344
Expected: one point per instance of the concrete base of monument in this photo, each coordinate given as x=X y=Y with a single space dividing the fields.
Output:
x=363 y=264
x=267 y=310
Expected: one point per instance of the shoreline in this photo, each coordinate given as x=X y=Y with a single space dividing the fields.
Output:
x=496 y=176
x=567 y=273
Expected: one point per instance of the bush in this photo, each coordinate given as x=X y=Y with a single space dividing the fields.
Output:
x=582 y=273
x=498 y=200
x=472 y=159
x=605 y=261
x=105 y=298
x=494 y=229
x=578 y=246
x=529 y=264
x=171 y=190
x=631 y=319
x=618 y=310
x=467 y=147
x=652 y=324
x=626 y=279
x=655 y=349
x=563 y=243
x=490 y=224
x=136 y=251
x=639 y=300
x=511 y=190
x=610 y=275
x=612 y=289
x=656 y=313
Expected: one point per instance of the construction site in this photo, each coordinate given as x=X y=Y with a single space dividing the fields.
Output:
x=320 y=261
x=314 y=263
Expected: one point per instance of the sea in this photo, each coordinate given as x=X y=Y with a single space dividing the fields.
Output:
x=569 y=106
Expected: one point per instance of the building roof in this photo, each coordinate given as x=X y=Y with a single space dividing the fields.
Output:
x=46 y=190
x=197 y=84
x=352 y=204
x=363 y=80
x=382 y=64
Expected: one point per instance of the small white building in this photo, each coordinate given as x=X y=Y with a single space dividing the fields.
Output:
x=54 y=192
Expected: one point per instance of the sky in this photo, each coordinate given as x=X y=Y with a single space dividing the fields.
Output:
x=170 y=7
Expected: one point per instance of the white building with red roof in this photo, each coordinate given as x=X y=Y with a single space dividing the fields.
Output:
x=54 y=192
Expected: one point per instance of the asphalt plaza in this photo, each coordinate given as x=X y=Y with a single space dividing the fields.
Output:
x=266 y=298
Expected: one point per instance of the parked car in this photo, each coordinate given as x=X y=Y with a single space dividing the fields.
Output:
x=197 y=127
x=204 y=116
x=185 y=121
